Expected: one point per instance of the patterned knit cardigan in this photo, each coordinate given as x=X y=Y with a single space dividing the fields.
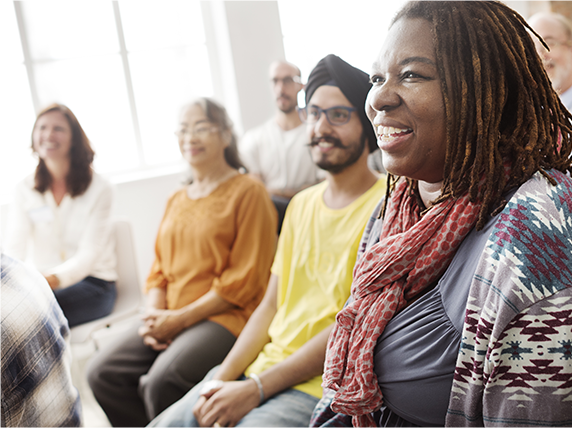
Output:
x=515 y=361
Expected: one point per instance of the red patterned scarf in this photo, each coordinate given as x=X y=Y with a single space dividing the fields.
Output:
x=413 y=253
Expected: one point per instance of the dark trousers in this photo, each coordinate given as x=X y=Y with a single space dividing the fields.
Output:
x=281 y=204
x=133 y=383
x=87 y=300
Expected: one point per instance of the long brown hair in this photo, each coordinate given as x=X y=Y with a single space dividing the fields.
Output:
x=81 y=156
x=499 y=102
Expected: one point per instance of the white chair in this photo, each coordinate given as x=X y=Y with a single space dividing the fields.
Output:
x=129 y=296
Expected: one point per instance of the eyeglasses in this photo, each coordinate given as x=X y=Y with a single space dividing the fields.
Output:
x=200 y=131
x=338 y=115
x=553 y=43
x=286 y=81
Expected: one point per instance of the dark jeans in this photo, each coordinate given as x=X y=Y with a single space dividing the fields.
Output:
x=281 y=204
x=87 y=300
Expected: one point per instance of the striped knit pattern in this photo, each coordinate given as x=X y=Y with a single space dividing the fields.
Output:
x=515 y=363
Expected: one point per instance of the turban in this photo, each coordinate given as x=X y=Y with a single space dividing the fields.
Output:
x=353 y=83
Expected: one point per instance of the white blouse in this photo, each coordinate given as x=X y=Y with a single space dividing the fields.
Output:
x=72 y=240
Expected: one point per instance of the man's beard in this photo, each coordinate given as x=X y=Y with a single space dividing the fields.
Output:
x=287 y=107
x=355 y=153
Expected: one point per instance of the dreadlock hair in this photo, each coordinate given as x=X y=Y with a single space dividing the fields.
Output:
x=81 y=156
x=500 y=107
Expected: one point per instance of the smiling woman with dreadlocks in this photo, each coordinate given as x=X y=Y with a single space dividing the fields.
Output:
x=461 y=306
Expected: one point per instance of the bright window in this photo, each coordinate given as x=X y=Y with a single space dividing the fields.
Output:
x=353 y=30
x=16 y=110
x=124 y=68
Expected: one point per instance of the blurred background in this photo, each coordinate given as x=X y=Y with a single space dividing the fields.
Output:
x=126 y=67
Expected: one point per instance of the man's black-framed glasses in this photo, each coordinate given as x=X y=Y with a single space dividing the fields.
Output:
x=338 y=115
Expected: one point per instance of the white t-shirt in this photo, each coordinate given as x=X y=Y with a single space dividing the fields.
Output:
x=71 y=240
x=281 y=158
x=566 y=98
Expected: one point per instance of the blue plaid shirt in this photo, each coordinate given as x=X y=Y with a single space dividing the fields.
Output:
x=36 y=380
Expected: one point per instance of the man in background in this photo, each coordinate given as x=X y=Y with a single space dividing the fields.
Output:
x=277 y=152
x=556 y=30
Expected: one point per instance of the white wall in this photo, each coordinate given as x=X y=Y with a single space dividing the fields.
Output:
x=3 y=220
x=243 y=39
x=256 y=41
x=142 y=202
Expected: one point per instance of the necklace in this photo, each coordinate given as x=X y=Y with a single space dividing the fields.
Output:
x=202 y=189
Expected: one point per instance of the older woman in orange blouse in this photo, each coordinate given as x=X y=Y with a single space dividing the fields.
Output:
x=213 y=251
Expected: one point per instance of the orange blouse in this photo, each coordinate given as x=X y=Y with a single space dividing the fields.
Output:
x=225 y=242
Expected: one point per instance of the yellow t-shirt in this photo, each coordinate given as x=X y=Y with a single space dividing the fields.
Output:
x=316 y=254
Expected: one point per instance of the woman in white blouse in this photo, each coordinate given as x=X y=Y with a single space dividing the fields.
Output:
x=60 y=219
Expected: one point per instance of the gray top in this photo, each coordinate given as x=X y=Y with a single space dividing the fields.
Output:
x=415 y=356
